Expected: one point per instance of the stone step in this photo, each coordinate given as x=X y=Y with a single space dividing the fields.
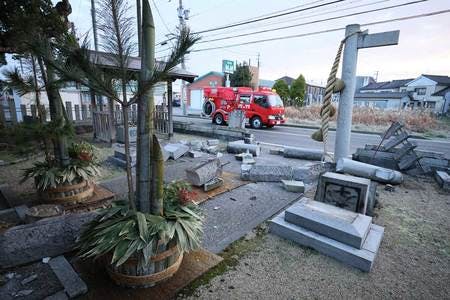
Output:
x=362 y=259
x=336 y=223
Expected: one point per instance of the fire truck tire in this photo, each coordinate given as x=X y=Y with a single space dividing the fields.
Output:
x=208 y=108
x=218 y=119
x=256 y=122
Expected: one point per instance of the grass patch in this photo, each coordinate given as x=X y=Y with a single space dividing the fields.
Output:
x=231 y=256
x=420 y=121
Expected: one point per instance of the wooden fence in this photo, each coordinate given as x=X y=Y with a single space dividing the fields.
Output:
x=82 y=115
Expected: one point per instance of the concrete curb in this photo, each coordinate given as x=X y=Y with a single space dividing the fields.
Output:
x=312 y=127
x=353 y=131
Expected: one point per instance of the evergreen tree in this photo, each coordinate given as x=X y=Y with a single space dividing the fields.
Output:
x=297 y=90
x=241 y=76
x=282 y=90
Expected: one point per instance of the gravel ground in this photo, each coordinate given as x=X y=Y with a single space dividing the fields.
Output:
x=413 y=261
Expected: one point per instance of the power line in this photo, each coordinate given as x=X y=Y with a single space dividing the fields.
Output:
x=326 y=31
x=268 y=17
x=314 y=22
x=160 y=16
x=324 y=12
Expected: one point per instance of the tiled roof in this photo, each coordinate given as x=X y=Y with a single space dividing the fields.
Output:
x=440 y=79
x=385 y=95
x=107 y=60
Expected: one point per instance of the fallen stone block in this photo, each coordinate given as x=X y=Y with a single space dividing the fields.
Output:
x=333 y=222
x=249 y=140
x=345 y=165
x=276 y=151
x=311 y=173
x=247 y=158
x=72 y=283
x=196 y=145
x=362 y=259
x=245 y=171
x=238 y=147
x=344 y=191
x=211 y=149
x=293 y=186
x=194 y=154
x=175 y=151
x=443 y=179
x=204 y=172
x=381 y=159
x=302 y=153
x=213 y=184
x=396 y=140
x=267 y=173
x=49 y=237
x=213 y=142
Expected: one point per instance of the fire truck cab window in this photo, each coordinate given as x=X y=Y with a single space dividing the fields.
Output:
x=261 y=100
x=245 y=99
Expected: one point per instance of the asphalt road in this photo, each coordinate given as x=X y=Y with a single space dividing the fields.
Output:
x=301 y=137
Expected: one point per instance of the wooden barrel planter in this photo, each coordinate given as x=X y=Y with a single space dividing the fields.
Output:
x=68 y=193
x=163 y=265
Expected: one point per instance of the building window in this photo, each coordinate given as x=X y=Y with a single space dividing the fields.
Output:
x=421 y=91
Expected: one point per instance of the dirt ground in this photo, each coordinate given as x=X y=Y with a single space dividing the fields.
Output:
x=413 y=260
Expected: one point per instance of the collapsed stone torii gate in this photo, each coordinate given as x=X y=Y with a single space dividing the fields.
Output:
x=354 y=40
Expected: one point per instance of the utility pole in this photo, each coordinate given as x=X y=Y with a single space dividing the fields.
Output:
x=94 y=25
x=139 y=29
x=183 y=15
x=355 y=39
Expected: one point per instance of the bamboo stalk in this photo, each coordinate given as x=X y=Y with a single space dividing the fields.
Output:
x=145 y=113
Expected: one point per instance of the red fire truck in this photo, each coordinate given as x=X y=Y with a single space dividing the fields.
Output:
x=262 y=106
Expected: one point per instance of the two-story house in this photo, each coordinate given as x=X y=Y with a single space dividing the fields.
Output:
x=426 y=91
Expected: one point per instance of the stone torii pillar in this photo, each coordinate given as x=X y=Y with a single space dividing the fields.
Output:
x=355 y=39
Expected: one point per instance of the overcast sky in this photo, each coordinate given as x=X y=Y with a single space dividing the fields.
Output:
x=424 y=46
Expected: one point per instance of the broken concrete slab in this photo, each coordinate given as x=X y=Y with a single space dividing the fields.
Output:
x=336 y=223
x=213 y=184
x=294 y=186
x=276 y=151
x=175 y=151
x=443 y=180
x=245 y=171
x=267 y=173
x=362 y=259
x=344 y=191
x=396 y=140
x=73 y=285
x=302 y=153
x=195 y=154
x=238 y=147
x=345 y=165
x=204 y=172
x=49 y=237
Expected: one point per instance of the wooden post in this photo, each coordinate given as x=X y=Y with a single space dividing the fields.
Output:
x=33 y=111
x=69 y=110
x=112 y=123
x=77 y=112
x=23 y=109
x=2 y=116
x=84 y=113
x=12 y=111
x=134 y=113
x=170 y=108
x=43 y=112
x=92 y=108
